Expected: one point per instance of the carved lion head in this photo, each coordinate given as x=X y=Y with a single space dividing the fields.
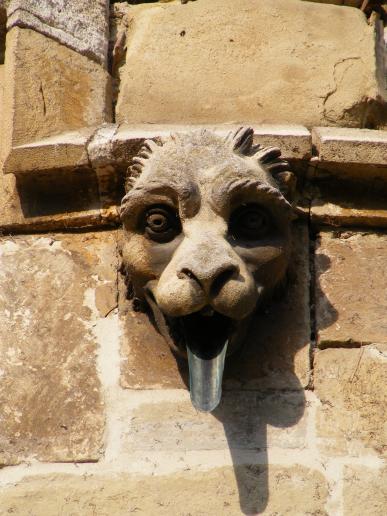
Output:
x=207 y=239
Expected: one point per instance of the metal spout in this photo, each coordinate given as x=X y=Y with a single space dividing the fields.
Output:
x=205 y=378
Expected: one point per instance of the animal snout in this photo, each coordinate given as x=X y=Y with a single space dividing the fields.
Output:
x=211 y=282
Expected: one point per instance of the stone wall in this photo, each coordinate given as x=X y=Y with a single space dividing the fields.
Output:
x=95 y=416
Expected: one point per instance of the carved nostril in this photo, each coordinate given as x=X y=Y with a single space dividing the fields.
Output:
x=222 y=278
x=214 y=283
x=189 y=274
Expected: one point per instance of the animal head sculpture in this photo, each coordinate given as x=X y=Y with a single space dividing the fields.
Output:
x=207 y=240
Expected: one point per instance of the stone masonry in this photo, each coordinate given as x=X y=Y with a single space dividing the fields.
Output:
x=95 y=415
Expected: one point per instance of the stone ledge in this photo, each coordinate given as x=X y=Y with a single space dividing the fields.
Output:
x=114 y=144
x=346 y=145
x=117 y=144
x=56 y=152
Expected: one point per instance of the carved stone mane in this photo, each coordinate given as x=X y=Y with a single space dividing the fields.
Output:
x=240 y=142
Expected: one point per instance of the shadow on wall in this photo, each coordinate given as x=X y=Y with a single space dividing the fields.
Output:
x=264 y=385
x=62 y=191
x=57 y=193
x=247 y=435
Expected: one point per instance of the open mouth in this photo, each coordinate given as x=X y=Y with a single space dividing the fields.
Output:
x=204 y=337
x=203 y=332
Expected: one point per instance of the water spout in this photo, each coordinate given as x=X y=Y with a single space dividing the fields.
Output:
x=205 y=377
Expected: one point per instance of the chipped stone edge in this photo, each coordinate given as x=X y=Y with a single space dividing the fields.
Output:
x=112 y=144
x=24 y=19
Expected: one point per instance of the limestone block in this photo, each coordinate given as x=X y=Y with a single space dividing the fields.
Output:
x=365 y=491
x=49 y=89
x=180 y=70
x=335 y=144
x=275 y=355
x=244 y=420
x=351 y=288
x=249 y=489
x=79 y=24
x=50 y=295
x=351 y=384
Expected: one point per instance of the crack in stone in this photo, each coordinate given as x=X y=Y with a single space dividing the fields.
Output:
x=43 y=98
x=336 y=80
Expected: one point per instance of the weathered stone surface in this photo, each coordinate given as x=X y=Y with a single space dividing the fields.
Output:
x=227 y=74
x=247 y=490
x=351 y=288
x=51 y=407
x=335 y=144
x=275 y=355
x=351 y=386
x=365 y=491
x=244 y=420
x=78 y=24
x=64 y=91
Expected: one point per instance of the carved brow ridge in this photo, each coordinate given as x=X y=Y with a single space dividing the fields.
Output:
x=186 y=193
x=222 y=193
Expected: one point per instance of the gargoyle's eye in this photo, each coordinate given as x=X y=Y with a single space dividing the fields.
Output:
x=161 y=223
x=249 y=222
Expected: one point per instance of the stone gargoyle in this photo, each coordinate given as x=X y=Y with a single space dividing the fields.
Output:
x=207 y=224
